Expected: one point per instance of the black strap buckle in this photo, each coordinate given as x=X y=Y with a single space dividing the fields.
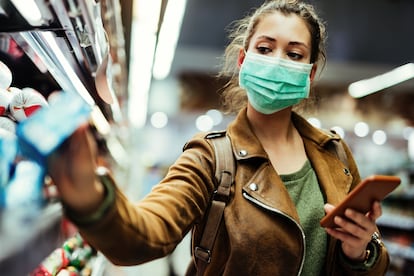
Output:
x=202 y=254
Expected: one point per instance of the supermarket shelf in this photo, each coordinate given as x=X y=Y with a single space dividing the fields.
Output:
x=396 y=221
x=70 y=43
x=27 y=237
x=399 y=250
x=403 y=194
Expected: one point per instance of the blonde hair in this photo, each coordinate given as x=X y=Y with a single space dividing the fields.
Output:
x=233 y=97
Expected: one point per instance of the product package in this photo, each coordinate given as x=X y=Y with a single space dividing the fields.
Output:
x=44 y=131
x=23 y=157
x=8 y=152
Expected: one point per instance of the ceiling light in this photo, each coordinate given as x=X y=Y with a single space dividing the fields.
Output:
x=159 y=119
x=215 y=115
x=168 y=37
x=361 y=129
x=204 y=123
x=143 y=41
x=368 y=86
x=379 y=137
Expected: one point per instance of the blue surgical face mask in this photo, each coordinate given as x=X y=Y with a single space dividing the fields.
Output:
x=272 y=83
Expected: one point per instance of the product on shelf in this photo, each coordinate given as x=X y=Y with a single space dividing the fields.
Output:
x=5 y=99
x=53 y=263
x=25 y=102
x=23 y=170
x=25 y=186
x=8 y=150
x=72 y=259
x=7 y=126
x=44 y=131
x=5 y=76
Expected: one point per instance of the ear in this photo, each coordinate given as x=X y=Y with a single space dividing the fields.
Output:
x=241 y=57
x=313 y=71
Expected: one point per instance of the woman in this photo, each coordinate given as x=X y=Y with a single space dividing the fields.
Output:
x=285 y=172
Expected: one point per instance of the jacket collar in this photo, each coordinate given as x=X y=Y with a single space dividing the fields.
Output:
x=247 y=145
x=318 y=136
x=329 y=169
x=245 y=142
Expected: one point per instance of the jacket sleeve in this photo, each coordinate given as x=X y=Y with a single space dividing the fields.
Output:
x=377 y=264
x=133 y=233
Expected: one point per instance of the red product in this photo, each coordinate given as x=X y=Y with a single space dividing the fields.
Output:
x=52 y=264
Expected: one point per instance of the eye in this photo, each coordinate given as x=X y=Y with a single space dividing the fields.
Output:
x=263 y=50
x=294 y=56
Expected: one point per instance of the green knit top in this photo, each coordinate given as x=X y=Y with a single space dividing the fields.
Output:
x=305 y=192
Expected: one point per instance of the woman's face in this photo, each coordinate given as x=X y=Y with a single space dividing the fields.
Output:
x=282 y=36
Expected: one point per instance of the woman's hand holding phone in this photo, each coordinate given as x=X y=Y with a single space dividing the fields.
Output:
x=353 y=221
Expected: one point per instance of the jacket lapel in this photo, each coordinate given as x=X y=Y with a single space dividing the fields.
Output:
x=267 y=188
x=333 y=179
x=333 y=176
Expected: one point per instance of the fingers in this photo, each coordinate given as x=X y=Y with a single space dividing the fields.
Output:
x=328 y=207
x=355 y=229
x=354 y=237
x=366 y=221
x=353 y=219
x=356 y=226
x=376 y=211
x=75 y=160
x=81 y=154
x=72 y=168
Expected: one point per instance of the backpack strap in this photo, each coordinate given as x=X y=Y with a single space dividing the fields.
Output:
x=225 y=171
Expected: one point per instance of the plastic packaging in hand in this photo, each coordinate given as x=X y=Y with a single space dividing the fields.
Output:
x=41 y=133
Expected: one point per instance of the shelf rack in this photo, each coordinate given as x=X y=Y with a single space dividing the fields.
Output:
x=69 y=43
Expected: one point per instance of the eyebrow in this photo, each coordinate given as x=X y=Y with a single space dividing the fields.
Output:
x=290 y=43
x=298 y=43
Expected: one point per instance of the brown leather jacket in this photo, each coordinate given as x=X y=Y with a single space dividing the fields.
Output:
x=260 y=233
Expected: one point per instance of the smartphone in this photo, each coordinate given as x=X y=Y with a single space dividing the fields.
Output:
x=372 y=188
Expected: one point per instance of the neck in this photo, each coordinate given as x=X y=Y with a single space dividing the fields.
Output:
x=276 y=126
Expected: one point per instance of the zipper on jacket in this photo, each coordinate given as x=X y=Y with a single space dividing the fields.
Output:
x=267 y=207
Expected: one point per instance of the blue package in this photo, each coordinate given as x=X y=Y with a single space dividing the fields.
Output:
x=8 y=153
x=45 y=130
x=25 y=186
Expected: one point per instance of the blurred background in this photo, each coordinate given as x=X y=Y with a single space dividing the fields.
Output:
x=367 y=40
x=150 y=67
